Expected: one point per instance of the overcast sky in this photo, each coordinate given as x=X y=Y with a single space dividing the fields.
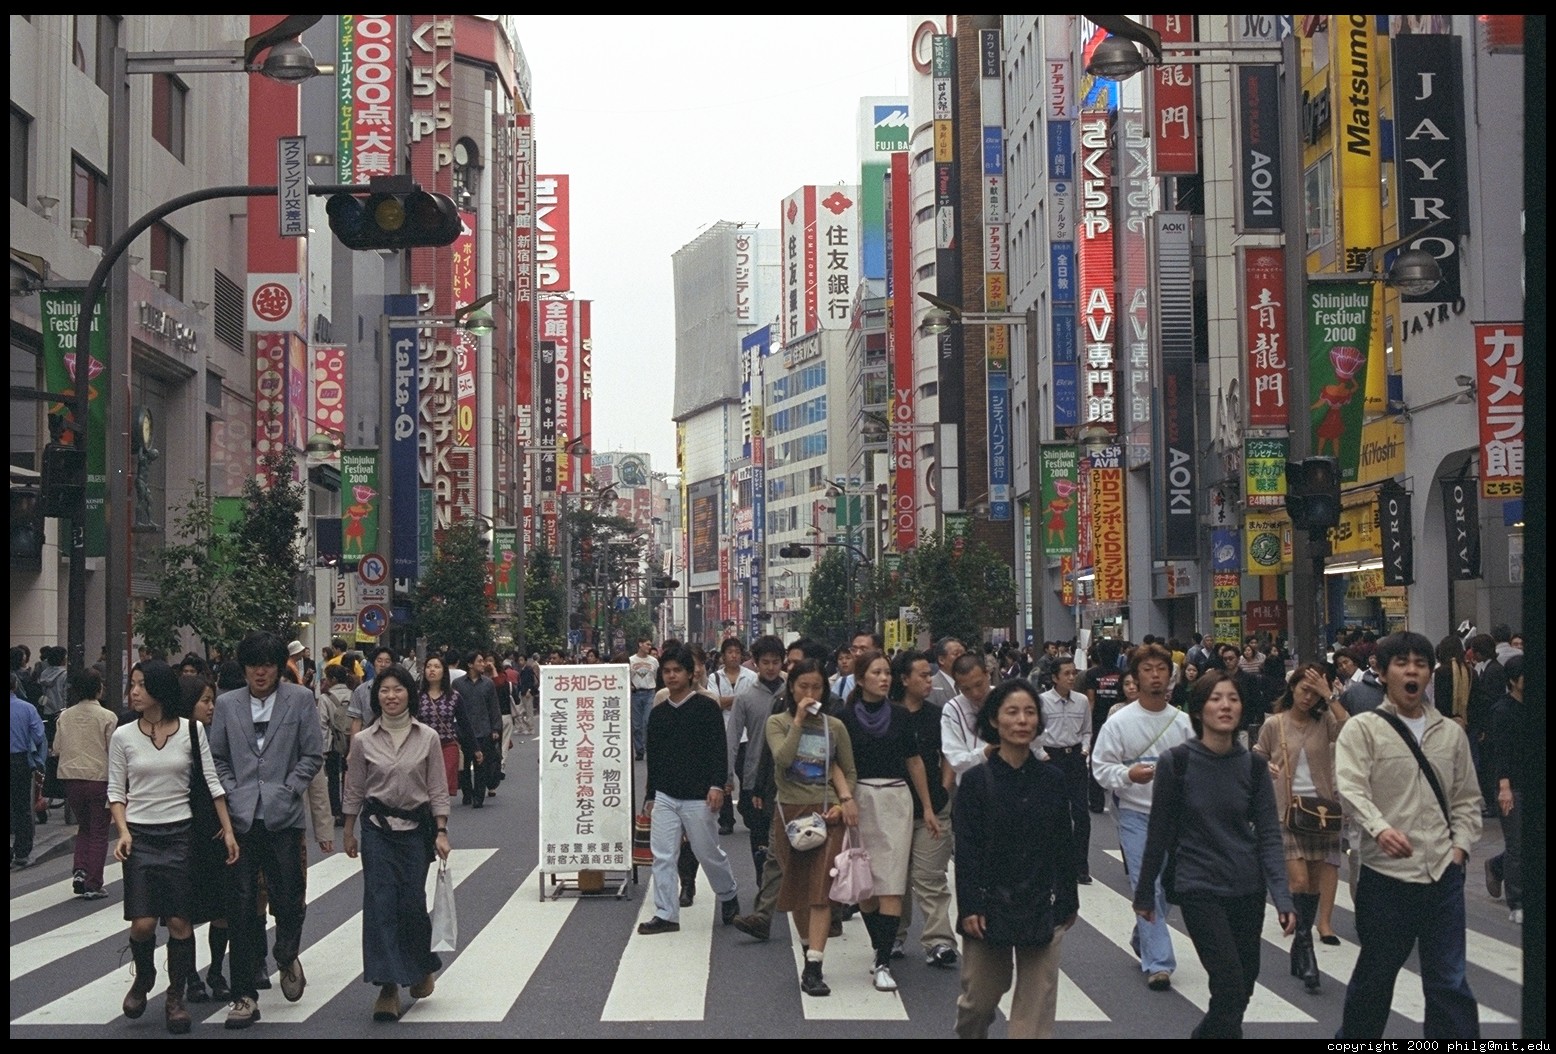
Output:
x=668 y=124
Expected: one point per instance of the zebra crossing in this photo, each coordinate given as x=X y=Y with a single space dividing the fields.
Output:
x=577 y=966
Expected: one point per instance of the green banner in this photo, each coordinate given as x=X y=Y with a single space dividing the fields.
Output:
x=505 y=562
x=1264 y=472
x=1060 y=476
x=359 y=504
x=61 y=318
x=1339 y=327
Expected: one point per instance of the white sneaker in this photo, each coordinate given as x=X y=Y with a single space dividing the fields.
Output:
x=884 y=981
x=1516 y=916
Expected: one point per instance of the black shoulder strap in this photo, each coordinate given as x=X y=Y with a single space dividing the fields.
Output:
x=1426 y=768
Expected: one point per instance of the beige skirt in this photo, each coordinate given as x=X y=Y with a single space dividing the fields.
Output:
x=886 y=829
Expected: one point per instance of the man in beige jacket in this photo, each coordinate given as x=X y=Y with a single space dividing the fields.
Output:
x=1407 y=781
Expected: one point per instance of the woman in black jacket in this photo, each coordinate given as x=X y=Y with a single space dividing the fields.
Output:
x=1015 y=874
x=1213 y=829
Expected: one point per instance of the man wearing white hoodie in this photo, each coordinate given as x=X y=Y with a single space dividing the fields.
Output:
x=1123 y=761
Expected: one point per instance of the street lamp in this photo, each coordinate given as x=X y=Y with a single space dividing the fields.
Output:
x=287 y=60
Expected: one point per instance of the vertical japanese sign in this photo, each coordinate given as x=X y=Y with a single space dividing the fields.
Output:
x=1174 y=471
x=755 y=347
x=1264 y=472
x=584 y=321
x=556 y=330
x=585 y=769
x=546 y=407
x=1172 y=102
x=367 y=76
x=1137 y=205
x=462 y=277
x=553 y=233
x=1264 y=535
x=1264 y=337
x=1109 y=532
x=270 y=394
x=948 y=268
x=1059 y=107
x=1339 y=324
x=404 y=354
x=61 y=344
x=798 y=224
x=745 y=268
x=996 y=339
x=1226 y=605
x=1060 y=481
x=1098 y=363
x=1259 y=148
x=899 y=354
x=359 y=506
x=1499 y=397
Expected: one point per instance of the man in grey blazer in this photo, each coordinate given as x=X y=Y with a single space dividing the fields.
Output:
x=267 y=746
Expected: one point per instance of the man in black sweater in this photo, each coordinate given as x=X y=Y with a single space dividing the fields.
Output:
x=478 y=692
x=688 y=768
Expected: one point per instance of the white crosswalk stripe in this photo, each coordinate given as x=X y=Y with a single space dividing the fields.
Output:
x=54 y=893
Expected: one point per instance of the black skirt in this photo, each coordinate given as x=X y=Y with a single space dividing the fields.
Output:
x=158 y=876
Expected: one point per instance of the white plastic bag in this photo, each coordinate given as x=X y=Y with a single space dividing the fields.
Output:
x=445 y=922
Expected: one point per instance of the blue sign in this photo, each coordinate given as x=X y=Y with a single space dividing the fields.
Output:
x=1061 y=150
x=999 y=446
x=623 y=604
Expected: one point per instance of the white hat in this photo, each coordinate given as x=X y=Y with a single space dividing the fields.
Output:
x=295 y=648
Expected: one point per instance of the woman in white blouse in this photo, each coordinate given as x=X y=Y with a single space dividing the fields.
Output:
x=151 y=763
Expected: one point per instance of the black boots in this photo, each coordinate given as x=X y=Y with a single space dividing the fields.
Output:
x=1304 y=962
x=180 y=967
x=143 y=953
x=810 y=980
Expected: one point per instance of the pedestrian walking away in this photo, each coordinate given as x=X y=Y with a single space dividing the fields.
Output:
x=81 y=743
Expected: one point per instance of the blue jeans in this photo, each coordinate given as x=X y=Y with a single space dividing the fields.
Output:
x=671 y=818
x=1391 y=918
x=642 y=703
x=1155 y=938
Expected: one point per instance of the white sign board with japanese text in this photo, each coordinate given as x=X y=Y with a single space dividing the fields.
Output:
x=585 y=769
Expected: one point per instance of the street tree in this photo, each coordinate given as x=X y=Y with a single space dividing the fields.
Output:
x=450 y=601
x=960 y=586
x=222 y=581
x=540 y=630
x=824 y=616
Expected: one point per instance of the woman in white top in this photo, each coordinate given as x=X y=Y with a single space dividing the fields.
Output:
x=151 y=763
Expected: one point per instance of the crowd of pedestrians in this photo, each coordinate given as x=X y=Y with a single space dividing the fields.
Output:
x=1207 y=754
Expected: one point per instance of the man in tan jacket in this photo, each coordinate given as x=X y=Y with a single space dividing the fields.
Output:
x=1405 y=775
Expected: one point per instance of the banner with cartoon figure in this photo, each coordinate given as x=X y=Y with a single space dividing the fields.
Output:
x=1059 y=474
x=1339 y=327
x=358 y=505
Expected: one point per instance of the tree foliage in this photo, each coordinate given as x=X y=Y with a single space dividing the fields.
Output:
x=450 y=602
x=825 y=615
x=539 y=630
x=223 y=584
x=959 y=586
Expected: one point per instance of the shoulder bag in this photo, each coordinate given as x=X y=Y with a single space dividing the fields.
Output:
x=201 y=805
x=809 y=831
x=1309 y=814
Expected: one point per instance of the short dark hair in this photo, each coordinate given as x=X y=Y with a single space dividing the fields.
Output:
x=682 y=655
x=767 y=644
x=1200 y=691
x=229 y=675
x=382 y=649
x=161 y=684
x=943 y=645
x=988 y=729
x=1406 y=643
x=1144 y=653
x=262 y=649
x=84 y=683
x=1484 y=645
x=965 y=663
x=1513 y=668
x=401 y=674
x=731 y=642
x=191 y=686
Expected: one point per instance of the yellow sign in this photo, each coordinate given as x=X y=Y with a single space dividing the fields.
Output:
x=1358 y=530
x=1112 y=543
x=891 y=638
x=1358 y=148
x=1382 y=450
x=1267 y=544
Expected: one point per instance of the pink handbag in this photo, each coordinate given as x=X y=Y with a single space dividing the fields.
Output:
x=851 y=879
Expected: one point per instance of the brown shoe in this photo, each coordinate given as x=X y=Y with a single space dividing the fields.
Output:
x=293 y=981
x=177 y=1014
x=243 y=1012
x=387 y=1006
x=135 y=1000
x=423 y=988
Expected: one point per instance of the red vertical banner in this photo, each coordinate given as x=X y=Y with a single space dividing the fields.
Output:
x=1264 y=336
x=1499 y=396
x=585 y=387
x=553 y=233
x=524 y=420
x=329 y=394
x=556 y=331
x=270 y=355
x=1109 y=533
x=1099 y=290
x=1171 y=103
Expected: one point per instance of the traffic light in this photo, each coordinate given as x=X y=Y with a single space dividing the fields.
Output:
x=1313 y=498
x=384 y=220
x=794 y=552
x=665 y=583
x=63 y=480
